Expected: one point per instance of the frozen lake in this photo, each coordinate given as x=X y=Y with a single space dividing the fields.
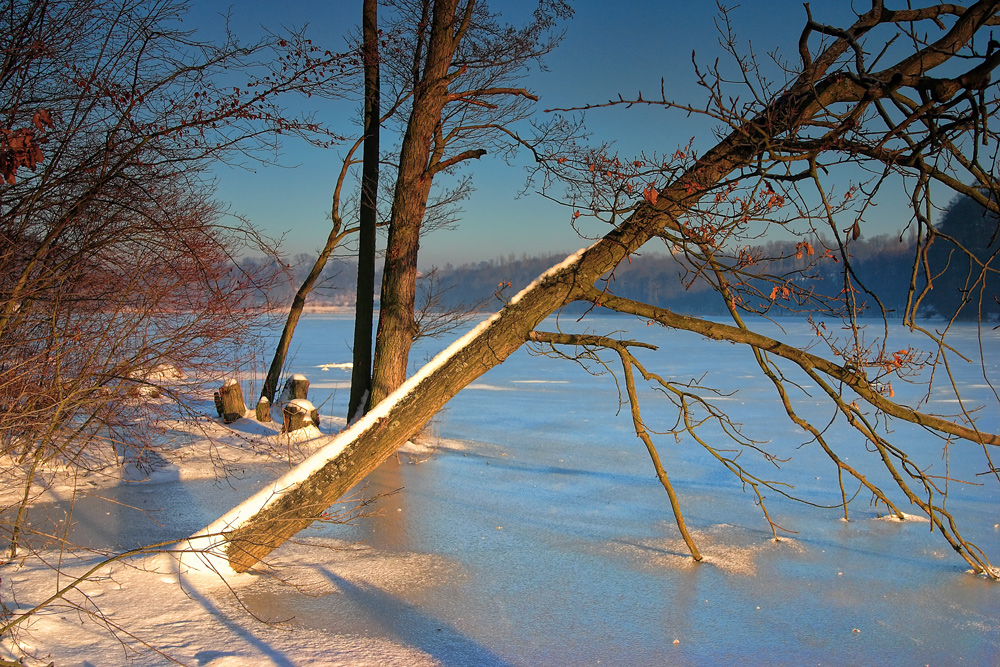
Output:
x=550 y=541
x=534 y=532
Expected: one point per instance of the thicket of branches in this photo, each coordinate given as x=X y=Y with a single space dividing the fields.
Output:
x=119 y=288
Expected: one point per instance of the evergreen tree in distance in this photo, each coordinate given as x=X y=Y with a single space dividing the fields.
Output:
x=964 y=263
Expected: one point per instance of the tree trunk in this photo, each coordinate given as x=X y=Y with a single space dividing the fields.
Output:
x=264 y=522
x=22 y=509
x=383 y=430
x=281 y=349
x=256 y=527
x=364 y=308
x=396 y=325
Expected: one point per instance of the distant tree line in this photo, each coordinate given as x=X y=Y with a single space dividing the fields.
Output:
x=965 y=285
x=337 y=285
x=964 y=254
x=882 y=267
x=673 y=281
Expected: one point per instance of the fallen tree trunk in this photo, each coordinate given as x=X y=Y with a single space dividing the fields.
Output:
x=267 y=520
x=787 y=123
x=260 y=525
x=264 y=522
x=245 y=535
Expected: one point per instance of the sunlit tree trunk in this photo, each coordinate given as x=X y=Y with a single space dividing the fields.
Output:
x=396 y=325
x=375 y=438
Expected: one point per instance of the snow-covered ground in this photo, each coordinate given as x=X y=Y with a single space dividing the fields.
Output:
x=527 y=528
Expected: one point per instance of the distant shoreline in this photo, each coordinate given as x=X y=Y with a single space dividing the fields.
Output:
x=322 y=309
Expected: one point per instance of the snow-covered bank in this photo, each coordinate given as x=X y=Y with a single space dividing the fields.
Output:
x=141 y=609
x=126 y=614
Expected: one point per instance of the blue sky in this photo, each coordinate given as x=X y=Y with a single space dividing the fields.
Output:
x=609 y=48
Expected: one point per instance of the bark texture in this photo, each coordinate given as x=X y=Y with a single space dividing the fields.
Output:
x=396 y=325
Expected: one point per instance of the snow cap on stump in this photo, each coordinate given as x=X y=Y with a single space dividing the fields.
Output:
x=295 y=387
x=299 y=413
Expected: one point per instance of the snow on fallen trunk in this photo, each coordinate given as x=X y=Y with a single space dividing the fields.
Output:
x=251 y=530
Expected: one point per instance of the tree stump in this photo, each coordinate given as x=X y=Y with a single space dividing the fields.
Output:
x=299 y=413
x=263 y=410
x=230 y=402
x=296 y=386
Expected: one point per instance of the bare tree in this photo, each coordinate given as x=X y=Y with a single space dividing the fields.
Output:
x=453 y=67
x=367 y=53
x=338 y=232
x=842 y=103
x=118 y=279
x=461 y=72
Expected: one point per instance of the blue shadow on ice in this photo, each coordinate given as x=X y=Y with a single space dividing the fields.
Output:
x=276 y=657
x=418 y=629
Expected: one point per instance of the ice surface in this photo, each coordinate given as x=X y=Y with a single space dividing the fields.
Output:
x=527 y=528
x=345 y=366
